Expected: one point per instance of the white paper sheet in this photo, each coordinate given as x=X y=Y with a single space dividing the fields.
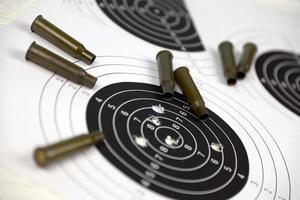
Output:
x=39 y=107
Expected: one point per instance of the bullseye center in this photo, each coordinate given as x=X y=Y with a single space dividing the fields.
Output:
x=169 y=137
x=156 y=11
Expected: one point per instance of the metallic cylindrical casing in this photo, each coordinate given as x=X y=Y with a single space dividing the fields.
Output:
x=247 y=57
x=228 y=61
x=191 y=92
x=45 y=155
x=166 y=74
x=59 y=65
x=62 y=40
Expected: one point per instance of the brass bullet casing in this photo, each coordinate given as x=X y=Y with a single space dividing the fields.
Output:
x=245 y=63
x=191 y=92
x=59 y=65
x=46 y=155
x=166 y=74
x=62 y=40
x=228 y=61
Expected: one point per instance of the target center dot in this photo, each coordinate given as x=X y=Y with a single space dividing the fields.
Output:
x=156 y=11
x=169 y=137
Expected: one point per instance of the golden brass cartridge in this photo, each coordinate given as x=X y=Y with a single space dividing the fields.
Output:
x=191 y=92
x=245 y=63
x=59 y=65
x=228 y=61
x=62 y=40
x=166 y=74
x=46 y=155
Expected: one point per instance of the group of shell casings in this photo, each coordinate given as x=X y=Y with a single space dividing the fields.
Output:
x=43 y=156
x=232 y=72
x=56 y=63
x=183 y=78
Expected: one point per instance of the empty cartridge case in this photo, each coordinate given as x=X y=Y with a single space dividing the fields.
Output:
x=45 y=155
x=191 y=92
x=62 y=40
x=245 y=63
x=59 y=65
x=228 y=61
x=166 y=74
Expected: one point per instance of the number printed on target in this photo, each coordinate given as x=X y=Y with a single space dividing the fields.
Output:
x=164 y=147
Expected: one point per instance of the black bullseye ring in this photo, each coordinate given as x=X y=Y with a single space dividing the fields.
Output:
x=164 y=147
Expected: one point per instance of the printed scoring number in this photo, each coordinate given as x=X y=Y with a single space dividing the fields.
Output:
x=176 y=126
x=150 y=126
x=154 y=165
x=183 y=113
x=188 y=147
x=164 y=149
x=178 y=119
x=228 y=169
x=214 y=161
x=111 y=106
x=124 y=113
x=186 y=107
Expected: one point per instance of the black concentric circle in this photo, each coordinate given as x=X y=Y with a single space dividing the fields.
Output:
x=279 y=73
x=204 y=160
x=163 y=23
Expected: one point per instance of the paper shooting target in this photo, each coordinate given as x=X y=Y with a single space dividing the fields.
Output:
x=164 y=23
x=164 y=147
x=275 y=70
x=279 y=73
x=158 y=149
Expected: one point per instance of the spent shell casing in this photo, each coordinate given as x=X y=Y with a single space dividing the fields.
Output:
x=228 y=61
x=59 y=65
x=166 y=74
x=191 y=92
x=46 y=155
x=62 y=40
x=249 y=50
